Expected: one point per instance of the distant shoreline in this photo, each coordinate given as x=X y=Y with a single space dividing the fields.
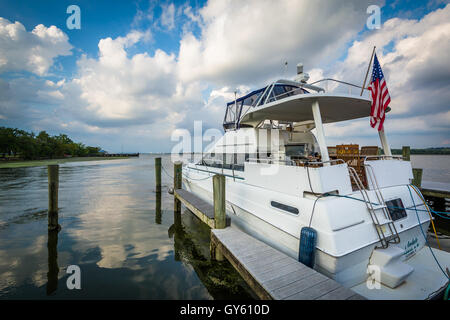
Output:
x=39 y=163
x=424 y=151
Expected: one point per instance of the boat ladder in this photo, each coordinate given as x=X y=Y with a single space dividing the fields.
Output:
x=381 y=218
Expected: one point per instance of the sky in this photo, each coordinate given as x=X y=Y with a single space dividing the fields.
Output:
x=137 y=73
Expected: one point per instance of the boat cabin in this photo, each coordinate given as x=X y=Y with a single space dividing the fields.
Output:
x=274 y=124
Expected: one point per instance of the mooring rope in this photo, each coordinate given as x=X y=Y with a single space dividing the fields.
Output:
x=184 y=175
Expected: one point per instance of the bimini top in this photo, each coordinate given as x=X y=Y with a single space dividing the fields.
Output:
x=286 y=100
x=249 y=95
x=277 y=90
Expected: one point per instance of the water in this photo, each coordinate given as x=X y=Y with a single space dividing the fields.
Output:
x=436 y=168
x=127 y=242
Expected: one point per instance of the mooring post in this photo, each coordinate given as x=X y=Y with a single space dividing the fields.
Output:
x=219 y=201
x=158 y=174
x=417 y=180
x=53 y=268
x=53 y=184
x=158 y=208
x=406 y=153
x=177 y=174
x=215 y=251
x=219 y=213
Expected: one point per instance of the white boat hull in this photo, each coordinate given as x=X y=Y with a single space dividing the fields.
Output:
x=349 y=269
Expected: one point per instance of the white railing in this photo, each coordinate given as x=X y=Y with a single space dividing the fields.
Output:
x=294 y=163
x=337 y=83
x=383 y=157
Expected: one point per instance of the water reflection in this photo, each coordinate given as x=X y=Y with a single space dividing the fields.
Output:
x=114 y=227
x=53 y=269
x=158 y=208
x=191 y=245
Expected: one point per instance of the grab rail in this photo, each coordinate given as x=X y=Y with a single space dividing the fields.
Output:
x=342 y=82
x=269 y=161
x=383 y=157
x=293 y=163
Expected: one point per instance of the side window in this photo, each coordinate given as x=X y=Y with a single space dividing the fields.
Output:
x=279 y=90
x=396 y=209
x=261 y=102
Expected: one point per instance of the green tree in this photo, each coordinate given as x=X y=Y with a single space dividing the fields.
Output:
x=29 y=146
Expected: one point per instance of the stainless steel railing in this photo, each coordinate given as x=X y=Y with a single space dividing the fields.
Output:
x=350 y=85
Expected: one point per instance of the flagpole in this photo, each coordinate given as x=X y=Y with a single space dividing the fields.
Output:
x=368 y=69
x=381 y=133
x=384 y=142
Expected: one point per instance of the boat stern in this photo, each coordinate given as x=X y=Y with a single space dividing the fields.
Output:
x=425 y=281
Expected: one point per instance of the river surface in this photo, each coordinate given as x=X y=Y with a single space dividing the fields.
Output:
x=436 y=168
x=126 y=241
x=124 y=238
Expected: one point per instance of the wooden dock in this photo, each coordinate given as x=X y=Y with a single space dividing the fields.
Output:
x=272 y=274
x=435 y=189
x=202 y=209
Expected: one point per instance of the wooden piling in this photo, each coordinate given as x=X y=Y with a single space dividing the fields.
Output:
x=417 y=174
x=219 y=201
x=53 y=184
x=158 y=208
x=53 y=268
x=177 y=175
x=158 y=174
x=406 y=153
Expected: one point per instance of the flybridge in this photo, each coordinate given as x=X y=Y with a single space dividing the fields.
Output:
x=279 y=89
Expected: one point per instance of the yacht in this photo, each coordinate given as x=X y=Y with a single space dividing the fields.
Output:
x=281 y=176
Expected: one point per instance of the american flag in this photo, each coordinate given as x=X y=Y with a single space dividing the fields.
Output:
x=380 y=96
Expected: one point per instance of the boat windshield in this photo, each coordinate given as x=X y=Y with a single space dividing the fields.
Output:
x=238 y=108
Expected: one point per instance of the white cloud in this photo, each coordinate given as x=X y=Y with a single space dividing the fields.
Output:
x=119 y=90
x=145 y=97
x=248 y=42
x=30 y=51
x=414 y=59
x=168 y=16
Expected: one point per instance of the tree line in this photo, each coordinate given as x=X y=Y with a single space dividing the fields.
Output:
x=424 y=151
x=28 y=146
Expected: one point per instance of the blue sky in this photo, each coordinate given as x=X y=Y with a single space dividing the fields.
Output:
x=100 y=19
x=139 y=71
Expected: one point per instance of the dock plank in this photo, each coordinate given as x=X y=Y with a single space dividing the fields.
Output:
x=316 y=291
x=340 y=292
x=282 y=270
x=271 y=273
x=284 y=280
x=195 y=201
x=200 y=208
x=299 y=286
